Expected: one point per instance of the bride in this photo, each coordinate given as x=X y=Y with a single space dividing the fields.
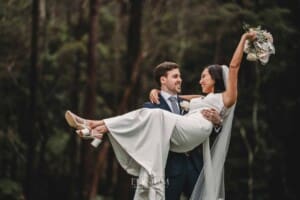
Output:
x=142 y=138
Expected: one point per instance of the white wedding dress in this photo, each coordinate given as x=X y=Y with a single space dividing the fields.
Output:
x=141 y=140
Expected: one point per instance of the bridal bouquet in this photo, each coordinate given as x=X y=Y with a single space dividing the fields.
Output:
x=261 y=48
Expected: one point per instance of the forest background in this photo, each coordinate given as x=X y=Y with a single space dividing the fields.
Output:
x=95 y=57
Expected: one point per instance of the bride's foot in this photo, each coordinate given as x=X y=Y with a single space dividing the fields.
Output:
x=86 y=128
x=75 y=121
x=91 y=134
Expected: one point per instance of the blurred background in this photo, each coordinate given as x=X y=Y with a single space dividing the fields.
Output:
x=95 y=57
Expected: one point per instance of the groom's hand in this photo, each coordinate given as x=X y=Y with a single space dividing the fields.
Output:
x=213 y=116
x=153 y=96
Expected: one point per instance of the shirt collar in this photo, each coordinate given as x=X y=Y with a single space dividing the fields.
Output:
x=166 y=95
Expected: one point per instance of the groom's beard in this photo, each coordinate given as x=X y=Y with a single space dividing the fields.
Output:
x=178 y=88
x=172 y=89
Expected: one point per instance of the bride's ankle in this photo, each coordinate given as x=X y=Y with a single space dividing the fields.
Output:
x=101 y=129
x=95 y=123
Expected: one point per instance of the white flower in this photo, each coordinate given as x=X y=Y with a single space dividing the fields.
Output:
x=261 y=48
x=251 y=57
x=185 y=105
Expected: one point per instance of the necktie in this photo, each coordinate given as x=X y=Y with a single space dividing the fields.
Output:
x=174 y=104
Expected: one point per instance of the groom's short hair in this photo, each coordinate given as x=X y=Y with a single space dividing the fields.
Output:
x=162 y=70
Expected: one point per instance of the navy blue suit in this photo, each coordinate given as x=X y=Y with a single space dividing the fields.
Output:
x=182 y=169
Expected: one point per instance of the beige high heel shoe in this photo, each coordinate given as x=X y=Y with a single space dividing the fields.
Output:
x=81 y=124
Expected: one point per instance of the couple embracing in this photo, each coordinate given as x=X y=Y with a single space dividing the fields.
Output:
x=142 y=138
x=182 y=168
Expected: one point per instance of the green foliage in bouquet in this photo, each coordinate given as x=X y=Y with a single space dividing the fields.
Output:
x=261 y=48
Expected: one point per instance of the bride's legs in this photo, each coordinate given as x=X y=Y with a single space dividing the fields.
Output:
x=94 y=129
x=75 y=121
x=97 y=129
x=80 y=123
x=86 y=128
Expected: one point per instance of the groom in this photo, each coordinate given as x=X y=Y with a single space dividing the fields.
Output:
x=182 y=169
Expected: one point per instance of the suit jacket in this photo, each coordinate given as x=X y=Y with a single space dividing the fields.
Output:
x=177 y=161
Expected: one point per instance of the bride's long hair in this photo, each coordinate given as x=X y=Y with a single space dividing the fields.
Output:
x=216 y=73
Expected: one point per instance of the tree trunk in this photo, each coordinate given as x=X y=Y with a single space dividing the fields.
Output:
x=134 y=55
x=132 y=67
x=30 y=116
x=76 y=180
x=90 y=98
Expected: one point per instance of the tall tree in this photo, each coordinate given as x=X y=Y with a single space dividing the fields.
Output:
x=132 y=69
x=31 y=114
x=77 y=179
x=88 y=157
x=134 y=54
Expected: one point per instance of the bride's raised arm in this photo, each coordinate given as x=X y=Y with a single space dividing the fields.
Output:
x=230 y=95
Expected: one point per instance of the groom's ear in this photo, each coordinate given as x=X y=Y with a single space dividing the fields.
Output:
x=163 y=79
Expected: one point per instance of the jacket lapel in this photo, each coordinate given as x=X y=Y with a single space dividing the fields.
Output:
x=163 y=103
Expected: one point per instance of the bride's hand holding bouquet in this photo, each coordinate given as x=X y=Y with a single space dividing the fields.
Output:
x=261 y=47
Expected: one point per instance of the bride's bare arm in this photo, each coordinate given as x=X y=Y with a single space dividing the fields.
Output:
x=230 y=95
x=153 y=96
x=189 y=97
